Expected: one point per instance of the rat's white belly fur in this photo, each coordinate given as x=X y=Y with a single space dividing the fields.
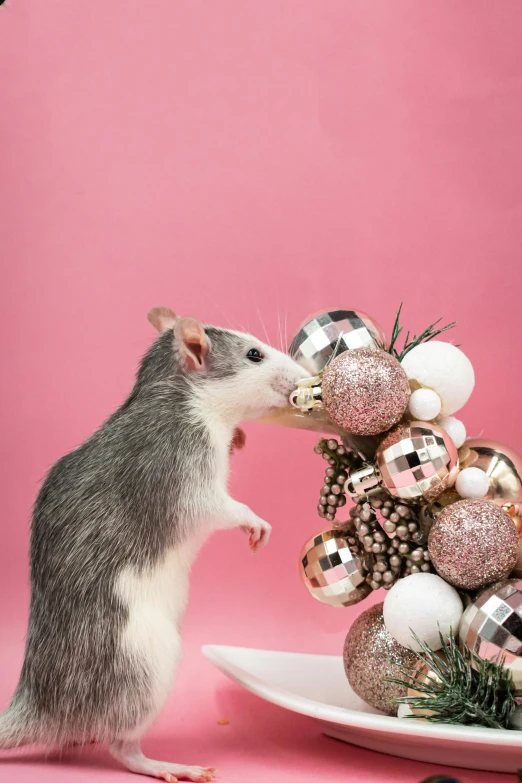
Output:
x=156 y=601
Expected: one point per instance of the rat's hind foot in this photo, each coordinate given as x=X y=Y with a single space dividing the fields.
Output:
x=130 y=755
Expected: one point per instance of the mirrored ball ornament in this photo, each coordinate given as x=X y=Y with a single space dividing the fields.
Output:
x=331 y=572
x=501 y=464
x=417 y=461
x=365 y=391
x=492 y=626
x=327 y=334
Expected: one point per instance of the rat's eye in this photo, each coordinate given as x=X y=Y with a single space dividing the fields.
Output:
x=254 y=355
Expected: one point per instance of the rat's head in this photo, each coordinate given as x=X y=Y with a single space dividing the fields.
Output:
x=233 y=374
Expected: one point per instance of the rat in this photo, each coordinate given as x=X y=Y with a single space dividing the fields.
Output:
x=115 y=528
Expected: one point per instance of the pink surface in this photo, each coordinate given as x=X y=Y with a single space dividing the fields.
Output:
x=227 y=158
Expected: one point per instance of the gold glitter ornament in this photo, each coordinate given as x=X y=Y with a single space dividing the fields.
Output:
x=491 y=627
x=502 y=465
x=473 y=543
x=371 y=656
x=365 y=391
x=331 y=571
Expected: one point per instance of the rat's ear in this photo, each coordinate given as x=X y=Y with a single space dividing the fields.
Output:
x=192 y=343
x=162 y=318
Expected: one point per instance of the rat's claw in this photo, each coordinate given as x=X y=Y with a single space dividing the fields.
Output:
x=238 y=440
x=259 y=535
x=195 y=774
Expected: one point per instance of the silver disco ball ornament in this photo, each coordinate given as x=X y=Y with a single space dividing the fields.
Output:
x=491 y=626
x=327 y=334
x=417 y=461
x=331 y=572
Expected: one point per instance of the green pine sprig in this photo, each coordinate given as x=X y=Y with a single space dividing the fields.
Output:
x=428 y=334
x=469 y=690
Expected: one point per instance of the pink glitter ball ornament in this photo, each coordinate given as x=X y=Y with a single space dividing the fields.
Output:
x=473 y=543
x=365 y=391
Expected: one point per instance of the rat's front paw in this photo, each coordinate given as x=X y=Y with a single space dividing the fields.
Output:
x=258 y=533
x=238 y=440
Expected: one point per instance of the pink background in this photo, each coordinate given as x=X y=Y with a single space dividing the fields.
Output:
x=226 y=158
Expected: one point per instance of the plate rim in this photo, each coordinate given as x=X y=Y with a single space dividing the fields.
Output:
x=329 y=713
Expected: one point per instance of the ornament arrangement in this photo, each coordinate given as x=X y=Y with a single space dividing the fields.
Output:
x=417 y=509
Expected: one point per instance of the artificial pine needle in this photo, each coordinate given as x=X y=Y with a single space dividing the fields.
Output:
x=468 y=690
x=428 y=334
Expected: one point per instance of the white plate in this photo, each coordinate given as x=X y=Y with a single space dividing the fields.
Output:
x=316 y=685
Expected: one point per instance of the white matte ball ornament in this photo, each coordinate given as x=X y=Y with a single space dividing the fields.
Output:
x=445 y=369
x=424 y=404
x=424 y=603
x=472 y=483
x=455 y=429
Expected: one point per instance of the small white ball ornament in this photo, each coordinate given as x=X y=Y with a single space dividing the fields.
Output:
x=455 y=429
x=445 y=369
x=423 y=603
x=424 y=404
x=404 y=710
x=472 y=483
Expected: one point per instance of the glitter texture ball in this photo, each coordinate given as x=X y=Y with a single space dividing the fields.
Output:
x=473 y=543
x=327 y=333
x=445 y=369
x=492 y=626
x=424 y=604
x=417 y=461
x=331 y=572
x=370 y=656
x=365 y=391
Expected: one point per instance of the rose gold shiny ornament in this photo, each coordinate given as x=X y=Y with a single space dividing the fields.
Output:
x=417 y=461
x=365 y=391
x=419 y=678
x=328 y=333
x=430 y=512
x=502 y=464
x=331 y=572
x=491 y=627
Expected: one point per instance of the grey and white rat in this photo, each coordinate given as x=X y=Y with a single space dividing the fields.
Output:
x=116 y=526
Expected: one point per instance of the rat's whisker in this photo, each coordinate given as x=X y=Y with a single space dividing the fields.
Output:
x=224 y=315
x=263 y=325
x=286 y=327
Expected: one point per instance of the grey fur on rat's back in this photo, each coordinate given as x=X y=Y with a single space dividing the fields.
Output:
x=120 y=500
